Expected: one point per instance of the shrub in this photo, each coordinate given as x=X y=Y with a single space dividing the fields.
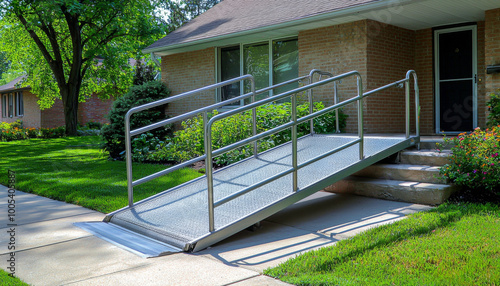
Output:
x=188 y=142
x=93 y=125
x=494 y=108
x=475 y=160
x=114 y=134
x=144 y=145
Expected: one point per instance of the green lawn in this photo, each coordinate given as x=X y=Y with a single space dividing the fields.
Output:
x=5 y=279
x=75 y=170
x=454 y=244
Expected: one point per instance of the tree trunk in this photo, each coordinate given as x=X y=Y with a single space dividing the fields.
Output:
x=70 y=101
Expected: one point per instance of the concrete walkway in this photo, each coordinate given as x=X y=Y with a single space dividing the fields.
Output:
x=51 y=251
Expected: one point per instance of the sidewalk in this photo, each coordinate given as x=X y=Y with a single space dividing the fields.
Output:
x=51 y=251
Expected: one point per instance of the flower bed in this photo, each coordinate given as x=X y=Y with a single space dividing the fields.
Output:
x=15 y=131
x=475 y=160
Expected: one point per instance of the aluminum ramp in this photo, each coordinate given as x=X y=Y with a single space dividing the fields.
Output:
x=199 y=213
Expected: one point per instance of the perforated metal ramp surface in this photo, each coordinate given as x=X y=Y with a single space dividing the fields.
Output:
x=180 y=216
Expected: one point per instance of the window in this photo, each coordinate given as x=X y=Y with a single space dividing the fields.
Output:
x=270 y=62
x=4 y=105
x=256 y=63
x=11 y=105
x=19 y=104
x=230 y=68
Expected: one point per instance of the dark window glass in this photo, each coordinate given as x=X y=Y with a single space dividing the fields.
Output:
x=455 y=55
x=285 y=64
x=4 y=105
x=230 y=68
x=256 y=63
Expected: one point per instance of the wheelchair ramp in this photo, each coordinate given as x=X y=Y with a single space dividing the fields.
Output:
x=179 y=217
x=199 y=213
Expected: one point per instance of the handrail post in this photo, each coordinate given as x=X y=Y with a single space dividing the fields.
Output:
x=360 y=118
x=310 y=98
x=294 y=143
x=417 y=103
x=254 y=118
x=128 y=156
x=335 y=101
x=209 y=174
x=407 y=107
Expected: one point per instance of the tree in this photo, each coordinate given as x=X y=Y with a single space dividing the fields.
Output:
x=4 y=65
x=180 y=12
x=71 y=49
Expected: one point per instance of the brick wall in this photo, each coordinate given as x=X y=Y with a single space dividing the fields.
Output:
x=390 y=54
x=54 y=116
x=31 y=117
x=381 y=53
x=94 y=109
x=492 y=49
x=425 y=72
x=336 y=49
x=187 y=71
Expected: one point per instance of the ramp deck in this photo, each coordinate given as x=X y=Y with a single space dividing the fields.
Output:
x=179 y=216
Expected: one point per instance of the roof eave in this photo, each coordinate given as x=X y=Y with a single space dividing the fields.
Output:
x=320 y=17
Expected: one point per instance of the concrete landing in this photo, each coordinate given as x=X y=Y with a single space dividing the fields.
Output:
x=52 y=251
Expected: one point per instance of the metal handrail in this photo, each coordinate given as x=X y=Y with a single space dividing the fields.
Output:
x=293 y=124
x=293 y=94
x=129 y=133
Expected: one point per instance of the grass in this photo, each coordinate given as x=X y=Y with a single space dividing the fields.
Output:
x=75 y=170
x=454 y=244
x=5 y=279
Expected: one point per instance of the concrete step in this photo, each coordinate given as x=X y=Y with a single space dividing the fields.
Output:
x=425 y=157
x=405 y=191
x=403 y=172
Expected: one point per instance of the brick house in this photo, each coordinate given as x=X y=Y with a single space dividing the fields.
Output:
x=19 y=103
x=449 y=43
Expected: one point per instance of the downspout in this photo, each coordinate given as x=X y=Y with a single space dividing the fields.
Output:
x=155 y=60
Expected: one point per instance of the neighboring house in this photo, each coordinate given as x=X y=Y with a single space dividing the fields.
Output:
x=449 y=43
x=19 y=103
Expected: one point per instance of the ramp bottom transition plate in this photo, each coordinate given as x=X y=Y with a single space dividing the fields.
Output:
x=136 y=243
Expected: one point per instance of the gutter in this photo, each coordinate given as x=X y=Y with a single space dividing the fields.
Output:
x=336 y=13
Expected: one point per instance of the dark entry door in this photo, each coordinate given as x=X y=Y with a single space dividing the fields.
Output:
x=455 y=80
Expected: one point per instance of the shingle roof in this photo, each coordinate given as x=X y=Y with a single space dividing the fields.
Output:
x=12 y=85
x=234 y=16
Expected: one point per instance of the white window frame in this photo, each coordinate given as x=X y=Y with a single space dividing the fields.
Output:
x=241 y=45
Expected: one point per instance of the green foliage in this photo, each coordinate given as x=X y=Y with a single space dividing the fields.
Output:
x=475 y=162
x=144 y=145
x=76 y=170
x=144 y=73
x=15 y=131
x=94 y=125
x=494 y=108
x=180 y=12
x=78 y=49
x=449 y=245
x=188 y=142
x=114 y=134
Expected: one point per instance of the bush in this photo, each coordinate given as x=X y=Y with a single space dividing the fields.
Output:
x=114 y=134
x=475 y=160
x=494 y=108
x=188 y=143
x=94 y=125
